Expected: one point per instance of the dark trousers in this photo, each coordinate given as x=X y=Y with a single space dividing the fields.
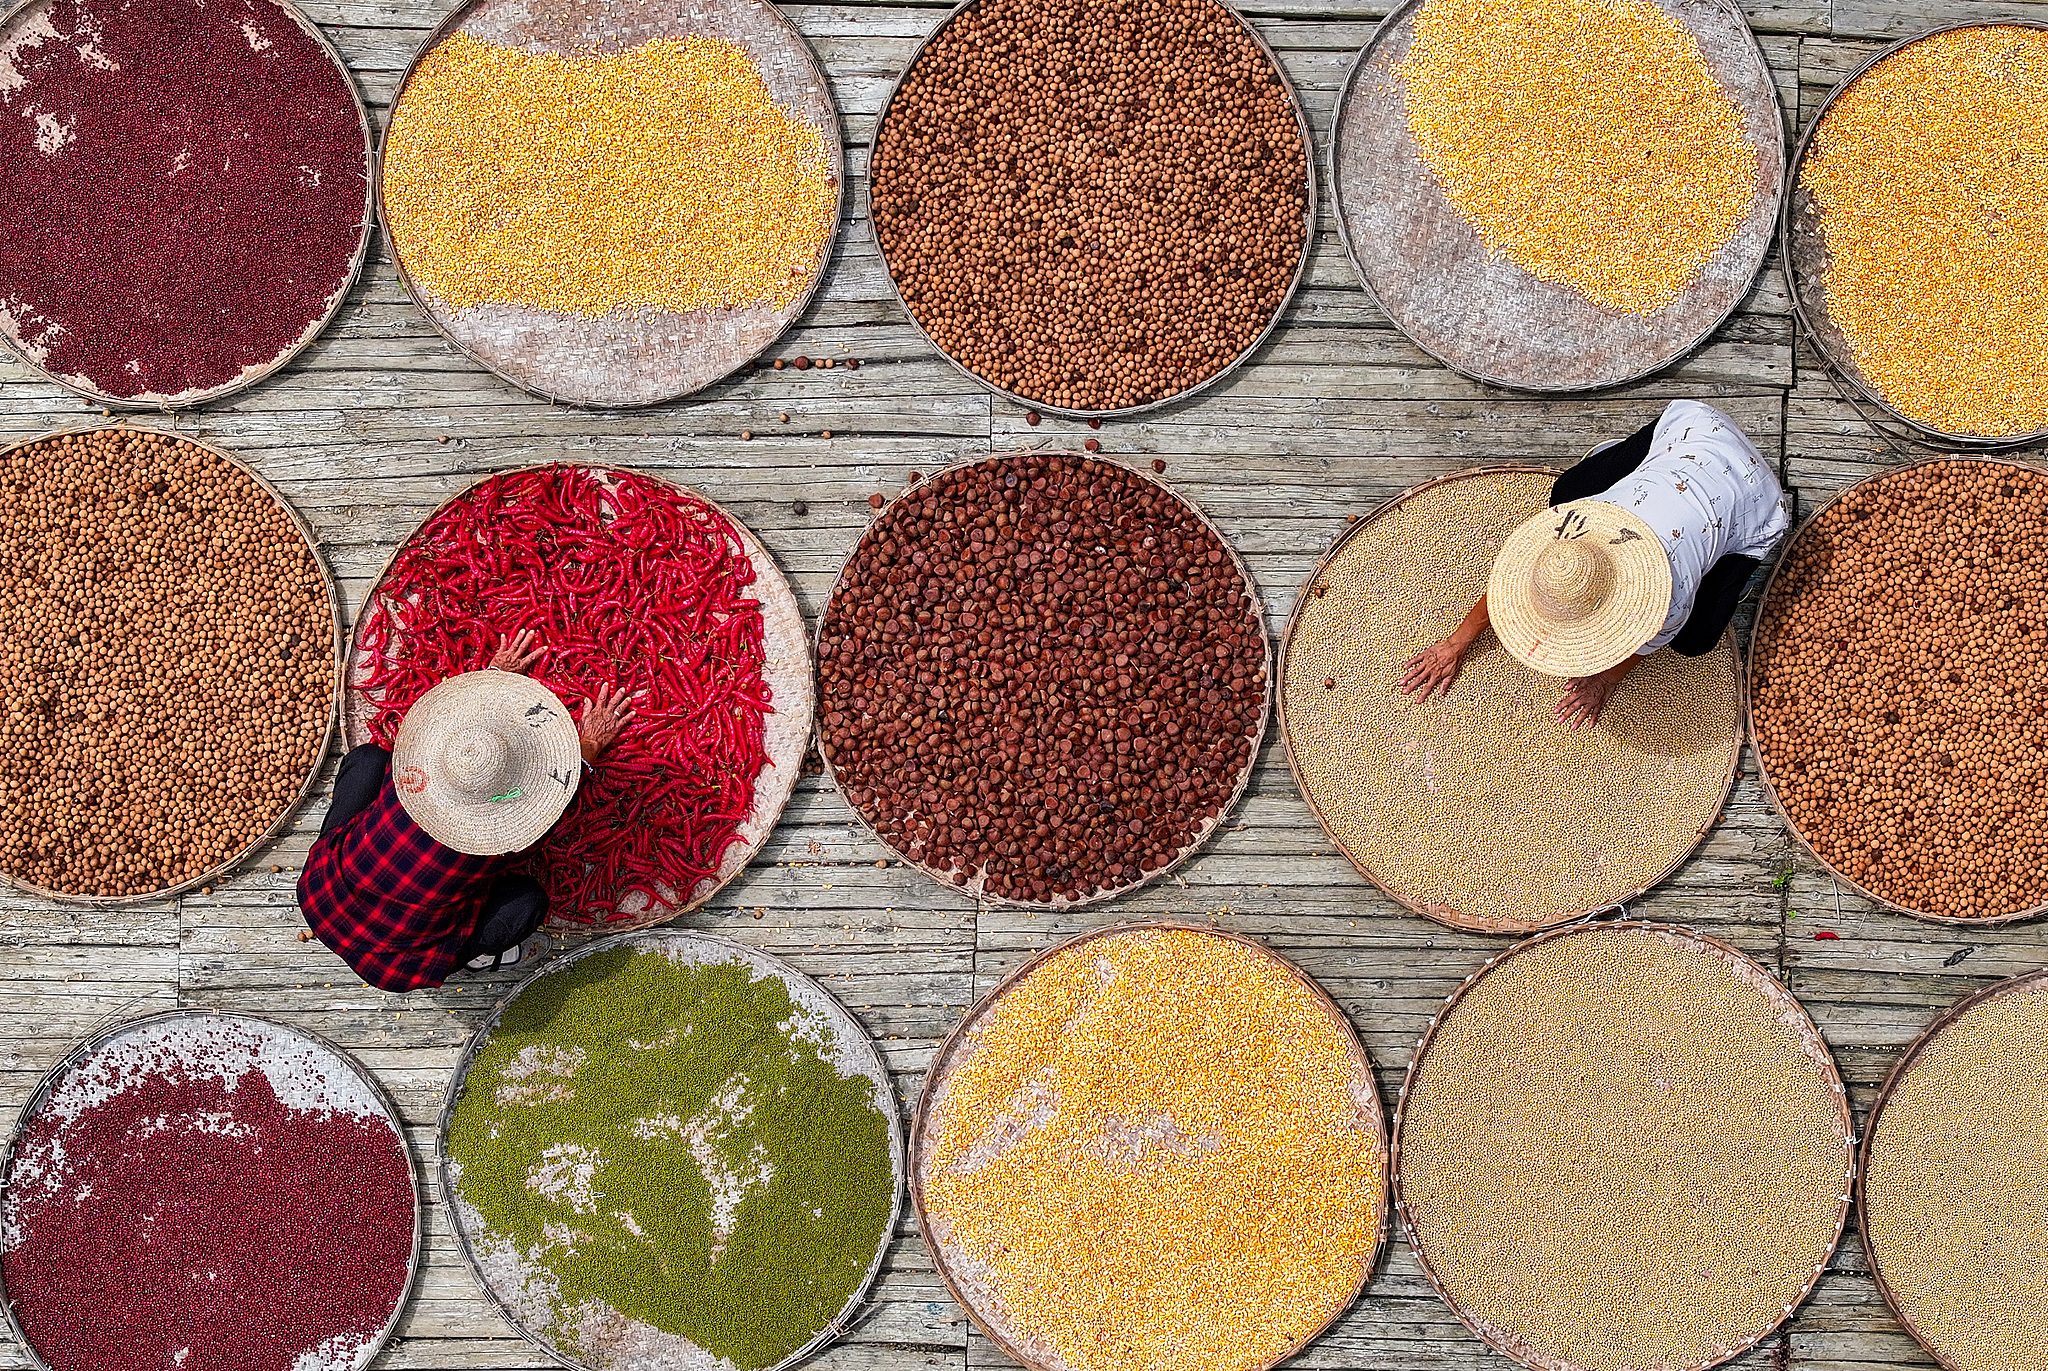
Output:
x=1720 y=589
x=514 y=905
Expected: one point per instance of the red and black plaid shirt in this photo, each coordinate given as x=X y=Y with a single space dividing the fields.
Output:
x=393 y=903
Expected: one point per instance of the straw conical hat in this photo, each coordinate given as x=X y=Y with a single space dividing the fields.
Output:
x=1578 y=588
x=486 y=762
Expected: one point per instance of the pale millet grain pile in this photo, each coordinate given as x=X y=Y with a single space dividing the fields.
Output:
x=166 y=662
x=1587 y=141
x=1042 y=675
x=1932 y=190
x=1899 y=687
x=1157 y=1151
x=1624 y=1147
x=1092 y=205
x=1478 y=806
x=1955 y=1198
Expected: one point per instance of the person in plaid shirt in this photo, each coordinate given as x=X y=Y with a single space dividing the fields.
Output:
x=410 y=881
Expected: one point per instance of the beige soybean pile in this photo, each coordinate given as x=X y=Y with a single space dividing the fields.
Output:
x=1955 y=1198
x=1478 y=807
x=1624 y=1147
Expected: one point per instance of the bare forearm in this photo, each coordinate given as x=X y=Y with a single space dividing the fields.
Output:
x=1471 y=626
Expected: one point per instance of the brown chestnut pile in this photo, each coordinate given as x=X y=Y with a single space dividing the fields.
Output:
x=166 y=662
x=1092 y=204
x=1043 y=675
x=1900 y=687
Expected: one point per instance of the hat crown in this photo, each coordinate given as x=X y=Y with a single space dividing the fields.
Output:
x=475 y=761
x=1570 y=579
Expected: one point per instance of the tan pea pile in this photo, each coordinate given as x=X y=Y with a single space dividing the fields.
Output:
x=1899 y=687
x=1624 y=1147
x=166 y=662
x=1478 y=807
x=1955 y=1197
x=1092 y=204
x=1159 y=1150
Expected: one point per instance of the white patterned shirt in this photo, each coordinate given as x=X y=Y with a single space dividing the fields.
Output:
x=1707 y=492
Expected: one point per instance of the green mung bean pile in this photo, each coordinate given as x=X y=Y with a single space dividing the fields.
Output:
x=660 y=1151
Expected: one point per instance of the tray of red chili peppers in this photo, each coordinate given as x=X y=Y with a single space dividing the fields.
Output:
x=626 y=580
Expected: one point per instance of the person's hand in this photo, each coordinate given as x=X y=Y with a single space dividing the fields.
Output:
x=1584 y=697
x=1431 y=671
x=516 y=653
x=604 y=718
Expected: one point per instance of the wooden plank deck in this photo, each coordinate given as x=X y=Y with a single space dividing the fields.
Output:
x=1337 y=413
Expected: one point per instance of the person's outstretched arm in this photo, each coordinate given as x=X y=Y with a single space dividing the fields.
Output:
x=1585 y=696
x=1431 y=671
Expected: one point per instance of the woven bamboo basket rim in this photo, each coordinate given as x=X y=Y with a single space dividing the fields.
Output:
x=857 y=1041
x=1763 y=769
x=1769 y=984
x=834 y=142
x=93 y=1042
x=1941 y=1024
x=1810 y=305
x=942 y=1064
x=1308 y=242
x=193 y=399
x=769 y=583
x=977 y=885
x=1401 y=14
x=284 y=818
x=1448 y=917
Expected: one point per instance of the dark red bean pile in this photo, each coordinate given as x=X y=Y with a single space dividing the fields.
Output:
x=1092 y=203
x=1042 y=670
x=198 y=1227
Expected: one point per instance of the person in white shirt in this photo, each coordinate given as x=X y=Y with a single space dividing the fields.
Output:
x=1647 y=543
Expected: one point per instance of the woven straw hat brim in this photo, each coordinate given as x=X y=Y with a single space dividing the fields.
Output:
x=546 y=762
x=1631 y=614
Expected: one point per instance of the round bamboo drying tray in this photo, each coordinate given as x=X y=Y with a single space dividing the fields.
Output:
x=802 y=990
x=92 y=1043
x=1805 y=254
x=27 y=12
x=1793 y=1014
x=955 y=1047
x=653 y=356
x=786 y=667
x=1482 y=315
x=1455 y=918
x=1279 y=311
x=976 y=884
x=1892 y=1078
x=284 y=818
x=1763 y=766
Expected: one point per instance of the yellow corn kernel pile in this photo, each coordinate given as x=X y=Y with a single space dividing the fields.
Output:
x=1622 y=1149
x=1931 y=176
x=663 y=176
x=1587 y=141
x=1159 y=1155
x=1478 y=804
x=1956 y=1199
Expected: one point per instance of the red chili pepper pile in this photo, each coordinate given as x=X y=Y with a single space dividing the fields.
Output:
x=626 y=581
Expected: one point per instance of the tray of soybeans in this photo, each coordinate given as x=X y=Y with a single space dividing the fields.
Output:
x=1623 y=1146
x=1916 y=233
x=1477 y=808
x=1953 y=1189
x=1898 y=689
x=1558 y=194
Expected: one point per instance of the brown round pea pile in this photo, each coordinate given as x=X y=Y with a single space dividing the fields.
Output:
x=1041 y=675
x=1900 y=687
x=1092 y=205
x=166 y=662
x=1624 y=1147
x=1955 y=1194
